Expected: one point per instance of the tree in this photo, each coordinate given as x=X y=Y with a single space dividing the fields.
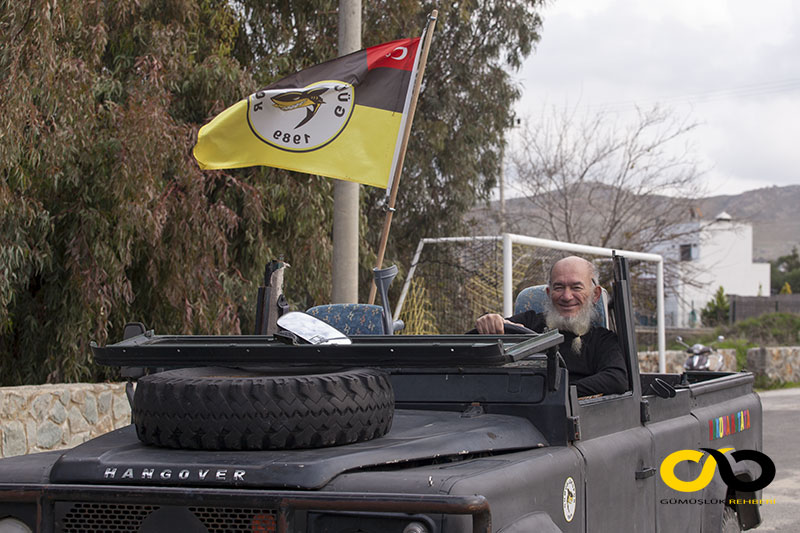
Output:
x=593 y=180
x=785 y=272
x=590 y=178
x=104 y=215
x=717 y=310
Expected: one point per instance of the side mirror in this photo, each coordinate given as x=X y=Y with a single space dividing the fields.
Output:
x=679 y=338
x=312 y=329
x=720 y=338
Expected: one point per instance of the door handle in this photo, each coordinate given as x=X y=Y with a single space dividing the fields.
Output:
x=645 y=472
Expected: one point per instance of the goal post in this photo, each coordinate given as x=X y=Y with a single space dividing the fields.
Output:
x=483 y=273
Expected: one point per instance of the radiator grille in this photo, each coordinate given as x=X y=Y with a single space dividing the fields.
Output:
x=84 y=517
x=96 y=517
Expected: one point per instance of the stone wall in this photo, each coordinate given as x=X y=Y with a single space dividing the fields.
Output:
x=50 y=417
x=674 y=359
x=776 y=364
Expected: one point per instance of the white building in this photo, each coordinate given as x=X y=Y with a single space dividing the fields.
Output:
x=718 y=253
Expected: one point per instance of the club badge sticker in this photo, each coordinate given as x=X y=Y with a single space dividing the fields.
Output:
x=569 y=499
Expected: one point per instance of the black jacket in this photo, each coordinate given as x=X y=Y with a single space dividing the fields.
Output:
x=600 y=366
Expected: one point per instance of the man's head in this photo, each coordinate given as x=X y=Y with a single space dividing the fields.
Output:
x=572 y=292
x=572 y=285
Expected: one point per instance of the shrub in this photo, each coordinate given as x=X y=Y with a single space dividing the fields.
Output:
x=717 y=311
x=772 y=329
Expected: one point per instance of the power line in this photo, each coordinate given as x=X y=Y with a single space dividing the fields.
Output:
x=753 y=90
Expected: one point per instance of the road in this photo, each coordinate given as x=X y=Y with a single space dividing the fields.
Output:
x=781 y=438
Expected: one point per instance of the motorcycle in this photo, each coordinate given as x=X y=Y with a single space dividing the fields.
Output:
x=702 y=357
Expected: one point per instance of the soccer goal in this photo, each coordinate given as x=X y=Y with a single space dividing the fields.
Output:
x=454 y=280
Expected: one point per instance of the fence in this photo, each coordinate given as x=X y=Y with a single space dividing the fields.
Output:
x=743 y=307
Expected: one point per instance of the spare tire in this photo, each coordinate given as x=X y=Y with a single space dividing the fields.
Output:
x=213 y=408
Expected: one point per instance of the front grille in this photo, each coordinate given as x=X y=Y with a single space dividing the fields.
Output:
x=84 y=517
x=91 y=517
x=224 y=519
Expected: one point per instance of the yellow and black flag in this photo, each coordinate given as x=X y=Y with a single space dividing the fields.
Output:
x=343 y=118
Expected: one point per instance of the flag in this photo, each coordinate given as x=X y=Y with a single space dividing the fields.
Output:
x=342 y=119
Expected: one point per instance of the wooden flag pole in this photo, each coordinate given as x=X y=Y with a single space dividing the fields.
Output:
x=403 y=146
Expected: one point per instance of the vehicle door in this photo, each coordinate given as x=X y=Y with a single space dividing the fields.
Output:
x=619 y=464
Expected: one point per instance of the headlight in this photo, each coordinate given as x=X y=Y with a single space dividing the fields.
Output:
x=12 y=525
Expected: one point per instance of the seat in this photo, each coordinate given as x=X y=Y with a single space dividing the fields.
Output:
x=535 y=297
x=351 y=319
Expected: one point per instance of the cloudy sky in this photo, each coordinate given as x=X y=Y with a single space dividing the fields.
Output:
x=732 y=66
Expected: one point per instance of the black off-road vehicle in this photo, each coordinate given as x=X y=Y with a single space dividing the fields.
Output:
x=396 y=434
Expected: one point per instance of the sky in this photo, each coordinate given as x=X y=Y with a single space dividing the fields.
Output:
x=731 y=66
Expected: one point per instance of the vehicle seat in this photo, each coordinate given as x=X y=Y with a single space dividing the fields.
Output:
x=534 y=298
x=351 y=319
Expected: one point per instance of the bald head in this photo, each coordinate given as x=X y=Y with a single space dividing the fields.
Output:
x=575 y=264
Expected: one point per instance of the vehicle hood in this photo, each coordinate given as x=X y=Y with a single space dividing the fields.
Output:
x=120 y=458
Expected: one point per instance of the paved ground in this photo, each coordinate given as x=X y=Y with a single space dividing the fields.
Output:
x=781 y=443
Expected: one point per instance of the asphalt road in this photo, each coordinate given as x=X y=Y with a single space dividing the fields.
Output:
x=781 y=443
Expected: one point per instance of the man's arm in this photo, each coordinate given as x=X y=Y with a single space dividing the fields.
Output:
x=610 y=371
x=492 y=323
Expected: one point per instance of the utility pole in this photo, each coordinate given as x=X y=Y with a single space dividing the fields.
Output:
x=503 y=189
x=514 y=122
x=345 y=193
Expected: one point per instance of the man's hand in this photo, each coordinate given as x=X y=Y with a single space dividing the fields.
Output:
x=491 y=324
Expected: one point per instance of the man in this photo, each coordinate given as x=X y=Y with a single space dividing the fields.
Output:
x=592 y=353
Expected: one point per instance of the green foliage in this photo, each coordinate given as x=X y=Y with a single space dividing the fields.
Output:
x=785 y=273
x=741 y=346
x=104 y=215
x=716 y=311
x=765 y=383
x=771 y=329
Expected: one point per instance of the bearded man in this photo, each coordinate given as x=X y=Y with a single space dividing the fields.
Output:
x=592 y=353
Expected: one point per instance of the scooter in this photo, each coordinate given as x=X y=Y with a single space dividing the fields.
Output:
x=702 y=357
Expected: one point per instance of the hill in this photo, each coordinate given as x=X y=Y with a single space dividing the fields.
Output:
x=774 y=213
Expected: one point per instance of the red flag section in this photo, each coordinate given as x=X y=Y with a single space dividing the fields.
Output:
x=398 y=54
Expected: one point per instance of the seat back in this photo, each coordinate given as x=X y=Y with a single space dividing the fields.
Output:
x=351 y=319
x=535 y=298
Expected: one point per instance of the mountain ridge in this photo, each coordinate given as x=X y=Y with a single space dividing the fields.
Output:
x=773 y=212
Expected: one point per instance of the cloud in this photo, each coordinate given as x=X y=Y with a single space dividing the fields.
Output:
x=730 y=64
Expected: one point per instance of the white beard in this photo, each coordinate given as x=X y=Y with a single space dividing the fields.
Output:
x=578 y=324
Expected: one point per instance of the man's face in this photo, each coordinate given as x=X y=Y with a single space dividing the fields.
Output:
x=571 y=287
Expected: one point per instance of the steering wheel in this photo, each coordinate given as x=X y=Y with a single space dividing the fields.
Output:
x=516 y=329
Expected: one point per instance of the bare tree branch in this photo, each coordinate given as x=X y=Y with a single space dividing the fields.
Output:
x=591 y=179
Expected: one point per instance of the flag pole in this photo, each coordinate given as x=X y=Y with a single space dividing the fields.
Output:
x=403 y=146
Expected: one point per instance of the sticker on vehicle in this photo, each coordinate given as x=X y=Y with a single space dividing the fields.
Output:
x=569 y=499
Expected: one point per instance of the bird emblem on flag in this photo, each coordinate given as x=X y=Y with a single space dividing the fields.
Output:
x=291 y=100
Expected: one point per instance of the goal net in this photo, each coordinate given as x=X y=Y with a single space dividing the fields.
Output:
x=452 y=281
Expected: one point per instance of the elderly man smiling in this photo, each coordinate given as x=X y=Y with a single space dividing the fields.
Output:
x=592 y=353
